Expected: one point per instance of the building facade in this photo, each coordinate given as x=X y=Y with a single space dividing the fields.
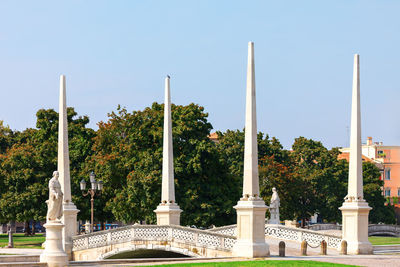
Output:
x=387 y=158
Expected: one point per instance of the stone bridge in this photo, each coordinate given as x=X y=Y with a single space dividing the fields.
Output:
x=384 y=229
x=278 y=231
x=217 y=242
x=174 y=238
x=373 y=229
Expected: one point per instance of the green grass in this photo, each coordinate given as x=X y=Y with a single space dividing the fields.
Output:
x=21 y=241
x=258 y=263
x=384 y=240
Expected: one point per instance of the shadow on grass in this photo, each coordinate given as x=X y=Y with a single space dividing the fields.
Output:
x=147 y=253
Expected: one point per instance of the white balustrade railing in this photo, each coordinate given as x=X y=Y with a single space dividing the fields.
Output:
x=199 y=238
x=313 y=238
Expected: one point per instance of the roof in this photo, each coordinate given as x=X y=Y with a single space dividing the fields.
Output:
x=213 y=137
x=346 y=156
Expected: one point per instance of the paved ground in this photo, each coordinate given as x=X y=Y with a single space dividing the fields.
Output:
x=366 y=260
x=22 y=251
x=292 y=253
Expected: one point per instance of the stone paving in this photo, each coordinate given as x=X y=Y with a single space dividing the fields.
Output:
x=292 y=253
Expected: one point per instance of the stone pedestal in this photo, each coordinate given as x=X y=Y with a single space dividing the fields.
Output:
x=274 y=216
x=168 y=214
x=70 y=217
x=355 y=227
x=54 y=253
x=251 y=229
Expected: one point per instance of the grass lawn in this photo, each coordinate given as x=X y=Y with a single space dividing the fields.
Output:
x=21 y=241
x=384 y=240
x=257 y=263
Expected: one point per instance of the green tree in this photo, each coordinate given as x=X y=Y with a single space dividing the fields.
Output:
x=28 y=165
x=380 y=212
x=128 y=155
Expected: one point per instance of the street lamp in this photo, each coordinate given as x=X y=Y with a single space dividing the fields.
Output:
x=95 y=185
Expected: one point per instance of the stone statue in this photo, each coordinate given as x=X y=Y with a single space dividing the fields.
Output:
x=274 y=207
x=54 y=204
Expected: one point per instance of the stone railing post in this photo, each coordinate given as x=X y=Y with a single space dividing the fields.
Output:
x=323 y=247
x=170 y=234
x=303 y=248
x=282 y=246
x=109 y=238
x=300 y=236
x=196 y=237
x=343 y=248
x=133 y=233
x=87 y=242
x=222 y=242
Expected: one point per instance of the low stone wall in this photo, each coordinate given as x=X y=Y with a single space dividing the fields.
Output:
x=19 y=258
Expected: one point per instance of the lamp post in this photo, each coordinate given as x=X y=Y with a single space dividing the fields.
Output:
x=95 y=185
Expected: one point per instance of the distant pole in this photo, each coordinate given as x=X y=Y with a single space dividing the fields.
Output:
x=10 y=238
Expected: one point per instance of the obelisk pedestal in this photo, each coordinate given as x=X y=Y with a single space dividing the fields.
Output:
x=168 y=211
x=355 y=209
x=54 y=253
x=70 y=212
x=251 y=208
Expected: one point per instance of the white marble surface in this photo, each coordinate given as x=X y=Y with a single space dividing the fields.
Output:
x=70 y=211
x=168 y=212
x=355 y=209
x=251 y=208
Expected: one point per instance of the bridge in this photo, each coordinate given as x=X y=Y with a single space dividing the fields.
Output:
x=373 y=229
x=217 y=242
x=174 y=238
x=384 y=230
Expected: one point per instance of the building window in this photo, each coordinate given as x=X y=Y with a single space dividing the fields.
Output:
x=398 y=192
x=387 y=174
x=387 y=192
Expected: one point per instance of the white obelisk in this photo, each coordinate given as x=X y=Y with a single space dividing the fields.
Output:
x=355 y=209
x=168 y=212
x=70 y=211
x=251 y=208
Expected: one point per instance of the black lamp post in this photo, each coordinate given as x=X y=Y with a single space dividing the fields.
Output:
x=95 y=185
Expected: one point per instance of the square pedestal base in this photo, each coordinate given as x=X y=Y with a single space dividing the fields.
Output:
x=355 y=227
x=70 y=221
x=168 y=214
x=251 y=229
x=54 y=254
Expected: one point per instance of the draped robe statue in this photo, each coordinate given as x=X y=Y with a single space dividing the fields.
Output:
x=54 y=204
x=274 y=207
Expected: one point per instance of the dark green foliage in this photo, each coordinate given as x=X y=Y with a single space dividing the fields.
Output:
x=128 y=154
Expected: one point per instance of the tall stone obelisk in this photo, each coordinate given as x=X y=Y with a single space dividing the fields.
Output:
x=168 y=212
x=355 y=209
x=251 y=208
x=70 y=211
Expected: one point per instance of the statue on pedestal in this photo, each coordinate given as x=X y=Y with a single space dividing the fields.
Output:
x=274 y=207
x=54 y=254
x=54 y=204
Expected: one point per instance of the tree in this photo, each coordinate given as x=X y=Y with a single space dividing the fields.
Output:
x=128 y=155
x=27 y=166
x=380 y=212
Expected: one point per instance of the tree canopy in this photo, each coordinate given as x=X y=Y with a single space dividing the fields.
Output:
x=126 y=154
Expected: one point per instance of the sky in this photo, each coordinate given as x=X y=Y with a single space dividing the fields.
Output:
x=119 y=52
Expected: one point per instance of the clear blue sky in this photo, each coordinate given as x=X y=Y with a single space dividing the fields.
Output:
x=118 y=52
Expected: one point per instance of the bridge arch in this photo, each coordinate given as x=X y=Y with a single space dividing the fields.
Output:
x=184 y=252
